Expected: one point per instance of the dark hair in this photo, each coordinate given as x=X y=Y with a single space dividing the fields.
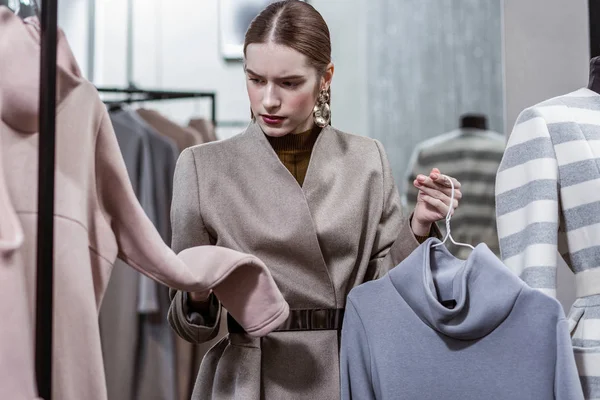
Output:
x=294 y=24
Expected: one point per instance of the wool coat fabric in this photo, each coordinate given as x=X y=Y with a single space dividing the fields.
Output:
x=548 y=206
x=96 y=218
x=341 y=228
x=16 y=335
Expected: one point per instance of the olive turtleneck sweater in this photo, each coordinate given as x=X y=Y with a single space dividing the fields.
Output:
x=294 y=151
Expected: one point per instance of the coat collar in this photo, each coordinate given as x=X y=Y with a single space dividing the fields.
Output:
x=295 y=202
x=320 y=149
x=484 y=289
x=19 y=71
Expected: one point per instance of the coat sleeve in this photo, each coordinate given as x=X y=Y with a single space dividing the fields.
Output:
x=527 y=203
x=355 y=358
x=409 y=191
x=188 y=230
x=394 y=239
x=567 y=385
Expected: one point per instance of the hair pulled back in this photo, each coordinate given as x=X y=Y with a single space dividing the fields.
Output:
x=294 y=24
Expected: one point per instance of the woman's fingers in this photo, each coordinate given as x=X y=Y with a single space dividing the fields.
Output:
x=438 y=195
x=437 y=204
x=427 y=182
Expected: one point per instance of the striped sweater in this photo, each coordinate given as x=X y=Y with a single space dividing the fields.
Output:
x=548 y=193
x=472 y=156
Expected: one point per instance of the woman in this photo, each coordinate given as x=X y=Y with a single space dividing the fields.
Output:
x=318 y=206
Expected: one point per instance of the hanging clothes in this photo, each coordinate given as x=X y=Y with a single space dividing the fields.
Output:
x=189 y=355
x=183 y=137
x=17 y=374
x=472 y=156
x=205 y=127
x=96 y=218
x=341 y=227
x=437 y=327
x=548 y=202
x=139 y=356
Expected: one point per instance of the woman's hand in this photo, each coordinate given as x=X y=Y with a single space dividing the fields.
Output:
x=433 y=200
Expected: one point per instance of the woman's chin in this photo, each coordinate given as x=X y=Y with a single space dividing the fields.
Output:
x=274 y=131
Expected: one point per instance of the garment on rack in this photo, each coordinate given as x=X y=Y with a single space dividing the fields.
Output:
x=183 y=137
x=139 y=356
x=437 y=327
x=548 y=202
x=341 y=227
x=96 y=217
x=205 y=127
x=472 y=156
x=17 y=374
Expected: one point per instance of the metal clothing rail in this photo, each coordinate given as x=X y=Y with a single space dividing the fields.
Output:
x=45 y=225
x=137 y=95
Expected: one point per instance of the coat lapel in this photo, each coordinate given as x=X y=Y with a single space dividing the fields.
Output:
x=277 y=174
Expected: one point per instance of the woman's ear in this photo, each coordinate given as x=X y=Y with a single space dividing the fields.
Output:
x=327 y=76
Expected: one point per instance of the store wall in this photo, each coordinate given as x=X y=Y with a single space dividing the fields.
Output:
x=176 y=46
x=546 y=51
x=73 y=18
x=429 y=62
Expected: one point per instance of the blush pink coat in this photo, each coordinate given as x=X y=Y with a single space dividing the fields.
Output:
x=97 y=218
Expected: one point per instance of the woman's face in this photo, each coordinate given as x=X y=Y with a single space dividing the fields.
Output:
x=282 y=88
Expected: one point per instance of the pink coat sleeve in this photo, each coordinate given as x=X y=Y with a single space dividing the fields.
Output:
x=258 y=308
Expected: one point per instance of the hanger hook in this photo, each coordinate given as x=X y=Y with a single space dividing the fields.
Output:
x=449 y=218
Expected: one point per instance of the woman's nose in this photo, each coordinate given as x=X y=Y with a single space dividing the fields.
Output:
x=271 y=100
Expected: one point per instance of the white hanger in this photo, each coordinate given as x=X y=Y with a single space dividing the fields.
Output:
x=448 y=218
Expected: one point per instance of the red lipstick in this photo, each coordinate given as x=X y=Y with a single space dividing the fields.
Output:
x=272 y=119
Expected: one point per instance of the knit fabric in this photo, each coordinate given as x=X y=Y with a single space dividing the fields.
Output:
x=294 y=151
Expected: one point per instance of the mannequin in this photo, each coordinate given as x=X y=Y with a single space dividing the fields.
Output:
x=473 y=121
x=594 y=82
x=472 y=152
x=546 y=207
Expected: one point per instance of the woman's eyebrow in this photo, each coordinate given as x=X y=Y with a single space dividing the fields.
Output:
x=287 y=77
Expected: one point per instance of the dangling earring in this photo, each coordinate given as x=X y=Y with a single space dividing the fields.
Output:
x=322 y=112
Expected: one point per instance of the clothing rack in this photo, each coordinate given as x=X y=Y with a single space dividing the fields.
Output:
x=137 y=95
x=45 y=226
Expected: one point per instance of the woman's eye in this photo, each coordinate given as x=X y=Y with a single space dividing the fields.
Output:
x=290 y=84
x=254 y=80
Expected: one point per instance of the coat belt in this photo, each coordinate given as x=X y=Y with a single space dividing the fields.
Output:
x=301 y=320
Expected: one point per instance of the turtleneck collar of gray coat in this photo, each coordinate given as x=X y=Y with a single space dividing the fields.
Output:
x=480 y=290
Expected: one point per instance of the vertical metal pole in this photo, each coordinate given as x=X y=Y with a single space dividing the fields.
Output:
x=213 y=109
x=594 y=21
x=129 y=43
x=91 y=51
x=45 y=228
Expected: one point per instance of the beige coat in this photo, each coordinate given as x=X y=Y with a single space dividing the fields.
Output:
x=342 y=228
x=96 y=219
